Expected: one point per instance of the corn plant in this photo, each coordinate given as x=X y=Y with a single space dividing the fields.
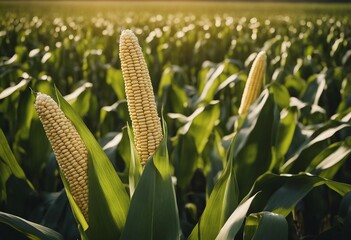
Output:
x=200 y=122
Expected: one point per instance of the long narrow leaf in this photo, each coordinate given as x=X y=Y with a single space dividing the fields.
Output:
x=224 y=198
x=234 y=222
x=108 y=199
x=266 y=225
x=30 y=229
x=297 y=187
x=8 y=166
x=135 y=166
x=153 y=212
x=285 y=133
x=328 y=162
x=253 y=143
x=185 y=159
x=280 y=193
x=305 y=154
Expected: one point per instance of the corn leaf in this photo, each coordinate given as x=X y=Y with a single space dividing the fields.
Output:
x=31 y=230
x=253 y=143
x=311 y=148
x=281 y=193
x=234 y=222
x=328 y=161
x=285 y=133
x=266 y=225
x=110 y=144
x=315 y=88
x=202 y=125
x=79 y=98
x=58 y=215
x=134 y=166
x=171 y=90
x=108 y=200
x=214 y=158
x=8 y=166
x=82 y=223
x=224 y=197
x=296 y=187
x=160 y=158
x=211 y=85
x=281 y=94
x=153 y=212
x=114 y=78
x=10 y=90
x=185 y=159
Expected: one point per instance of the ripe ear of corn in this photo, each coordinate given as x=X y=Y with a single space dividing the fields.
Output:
x=140 y=97
x=69 y=149
x=254 y=83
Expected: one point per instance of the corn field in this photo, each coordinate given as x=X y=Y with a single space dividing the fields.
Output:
x=194 y=121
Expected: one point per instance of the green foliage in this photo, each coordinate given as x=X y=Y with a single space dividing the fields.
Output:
x=153 y=205
x=9 y=166
x=253 y=143
x=234 y=222
x=280 y=172
x=31 y=230
x=263 y=224
x=224 y=197
x=108 y=200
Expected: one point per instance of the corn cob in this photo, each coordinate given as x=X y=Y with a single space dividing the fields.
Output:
x=140 y=97
x=69 y=149
x=254 y=83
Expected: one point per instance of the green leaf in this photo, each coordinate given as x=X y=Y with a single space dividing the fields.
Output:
x=108 y=199
x=160 y=157
x=171 y=91
x=202 y=125
x=223 y=198
x=185 y=159
x=281 y=94
x=80 y=98
x=82 y=223
x=10 y=90
x=153 y=212
x=211 y=85
x=253 y=143
x=213 y=159
x=114 y=78
x=110 y=115
x=134 y=166
x=280 y=193
x=296 y=187
x=295 y=84
x=328 y=162
x=199 y=125
x=249 y=141
x=315 y=88
x=8 y=166
x=31 y=230
x=285 y=133
x=312 y=147
x=25 y=114
x=234 y=222
x=266 y=225
x=58 y=214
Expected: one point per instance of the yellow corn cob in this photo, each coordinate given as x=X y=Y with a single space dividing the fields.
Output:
x=254 y=83
x=140 y=97
x=69 y=149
